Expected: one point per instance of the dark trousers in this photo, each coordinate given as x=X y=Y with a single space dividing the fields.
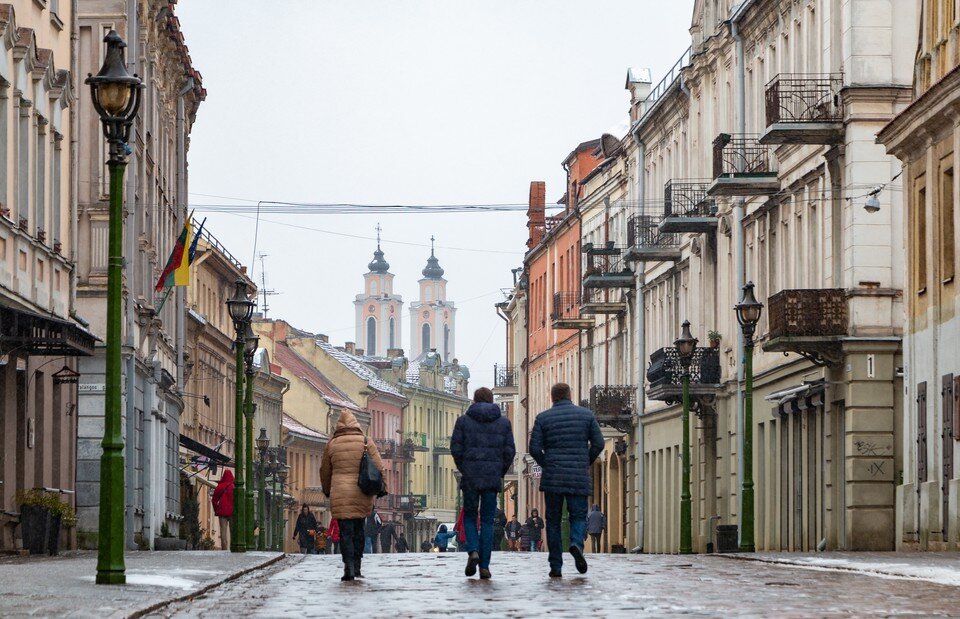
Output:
x=595 y=538
x=351 y=540
x=577 y=509
x=484 y=504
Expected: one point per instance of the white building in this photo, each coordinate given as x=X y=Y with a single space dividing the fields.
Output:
x=378 y=309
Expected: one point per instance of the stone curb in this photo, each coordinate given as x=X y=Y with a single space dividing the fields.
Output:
x=205 y=589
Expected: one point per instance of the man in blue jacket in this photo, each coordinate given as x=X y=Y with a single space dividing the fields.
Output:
x=483 y=450
x=565 y=441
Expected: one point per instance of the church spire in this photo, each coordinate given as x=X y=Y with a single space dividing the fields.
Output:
x=378 y=265
x=433 y=269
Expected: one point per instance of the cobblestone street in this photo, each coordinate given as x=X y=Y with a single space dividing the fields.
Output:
x=418 y=585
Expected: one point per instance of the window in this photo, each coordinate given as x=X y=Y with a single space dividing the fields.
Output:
x=371 y=336
x=946 y=228
x=425 y=338
x=919 y=221
x=393 y=341
x=23 y=159
x=446 y=343
x=40 y=196
x=55 y=166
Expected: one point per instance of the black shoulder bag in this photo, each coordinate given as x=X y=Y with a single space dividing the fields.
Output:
x=370 y=480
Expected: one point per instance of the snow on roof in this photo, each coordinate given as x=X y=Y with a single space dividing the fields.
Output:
x=296 y=427
x=356 y=365
x=302 y=369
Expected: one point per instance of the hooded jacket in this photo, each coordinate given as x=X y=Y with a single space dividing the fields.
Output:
x=340 y=469
x=482 y=447
x=565 y=441
x=223 y=496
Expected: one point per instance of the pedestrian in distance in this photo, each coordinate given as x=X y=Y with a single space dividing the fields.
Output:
x=512 y=531
x=338 y=477
x=535 y=524
x=371 y=530
x=223 y=506
x=402 y=545
x=305 y=531
x=483 y=450
x=333 y=532
x=565 y=441
x=524 y=537
x=442 y=538
x=499 y=523
x=426 y=546
x=596 y=525
x=388 y=533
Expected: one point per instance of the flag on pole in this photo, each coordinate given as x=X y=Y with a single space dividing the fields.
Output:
x=177 y=271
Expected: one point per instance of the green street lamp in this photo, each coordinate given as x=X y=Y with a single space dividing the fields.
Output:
x=282 y=472
x=685 y=345
x=272 y=468
x=241 y=309
x=251 y=342
x=116 y=98
x=263 y=443
x=748 y=315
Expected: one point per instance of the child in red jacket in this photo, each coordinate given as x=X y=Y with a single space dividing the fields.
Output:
x=223 y=506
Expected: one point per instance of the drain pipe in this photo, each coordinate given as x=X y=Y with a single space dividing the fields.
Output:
x=640 y=322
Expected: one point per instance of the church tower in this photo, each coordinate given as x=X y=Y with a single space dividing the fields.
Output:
x=378 y=309
x=433 y=317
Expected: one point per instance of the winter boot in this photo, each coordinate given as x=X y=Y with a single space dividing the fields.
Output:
x=579 y=559
x=484 y=573
x=356 y=569
x=348 y=573
x=472 y=561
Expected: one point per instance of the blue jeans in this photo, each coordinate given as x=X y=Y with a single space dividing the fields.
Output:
x=370 y=544
x=486 y=504
x=577 y=509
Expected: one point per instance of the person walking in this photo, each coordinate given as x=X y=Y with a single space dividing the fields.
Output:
x=371 y=530
x=535 y=524
x=524 y=537
x=223 y=506
x=442 y=538
x=483 y=449
x=338 y=477
x=333 y=532
x=565 y=441
x=388 y=533
x=512 y=531
x=596 y=524
x=305 y=531
x=499 y=523
x=402 y=545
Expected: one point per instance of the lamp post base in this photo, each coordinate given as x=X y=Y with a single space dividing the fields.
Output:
x=111 y=577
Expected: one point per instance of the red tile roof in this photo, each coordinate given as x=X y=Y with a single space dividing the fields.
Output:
x=296 y=427
x=302 y=369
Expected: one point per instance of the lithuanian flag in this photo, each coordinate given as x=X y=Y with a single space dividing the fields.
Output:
x=177 y=271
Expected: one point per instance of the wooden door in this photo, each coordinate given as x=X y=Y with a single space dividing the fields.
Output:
x=946 y=438
x=921 y=434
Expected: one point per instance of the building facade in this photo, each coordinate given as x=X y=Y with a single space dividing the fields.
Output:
x=926 y=139
x=378 y=309
x=433 y=319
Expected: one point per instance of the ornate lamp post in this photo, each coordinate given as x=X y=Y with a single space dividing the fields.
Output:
x=748 y=315
x=272 y=468
x=263 y=443
x=241 y=309
x=686 y=344
x=116 y=98
x=282 y=471
x=251 y=342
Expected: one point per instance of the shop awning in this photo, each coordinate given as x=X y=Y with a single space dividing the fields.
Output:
x=203 y=450
x=36 y=334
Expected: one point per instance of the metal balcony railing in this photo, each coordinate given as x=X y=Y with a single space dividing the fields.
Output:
x=613 y=405
x=416 y=440
x=688 y=198
x=741 y=154
x=607 y=270
x=388 y=448
x=566 y=306
x=505 y=376
x=804 y=98
x=441 y=445
x=806 y=313
x=408 y=503
x=665 y=367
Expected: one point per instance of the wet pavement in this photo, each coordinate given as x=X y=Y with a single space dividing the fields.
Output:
x=429 y=585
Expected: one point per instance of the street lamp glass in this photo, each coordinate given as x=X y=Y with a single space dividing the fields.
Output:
x=263 y=442
x=282 y=473
x=749 y=309
x=252 y=339
x=686 y=343
x=240 y=307
x=113 y=97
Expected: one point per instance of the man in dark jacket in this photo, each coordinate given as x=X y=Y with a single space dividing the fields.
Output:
x=565 y=441
x=596 y=523
x=513 y=533
x=483 y=450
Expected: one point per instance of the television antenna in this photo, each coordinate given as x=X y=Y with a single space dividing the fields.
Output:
x=264 y=291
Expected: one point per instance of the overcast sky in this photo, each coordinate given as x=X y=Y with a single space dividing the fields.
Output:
x=405 y=102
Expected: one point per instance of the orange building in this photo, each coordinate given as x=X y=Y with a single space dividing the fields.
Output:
x=552 y=267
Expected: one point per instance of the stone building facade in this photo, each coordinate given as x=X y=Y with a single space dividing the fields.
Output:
x=926 y=139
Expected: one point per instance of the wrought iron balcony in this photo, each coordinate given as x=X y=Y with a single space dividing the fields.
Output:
x=416 y=441
x=607 y=270
x=742 y=166
x=687 y=207
x=408 y=503
x=314 y=497
x=566 y=312
x=665 y=374
x=647 y=243
x=602 y=301
x=613 y=405
x=804 y=109
x=506 y=378
x=441 y=446
x=388 y=448
x=810 y=322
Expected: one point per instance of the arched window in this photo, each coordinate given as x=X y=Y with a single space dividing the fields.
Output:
x=425 y=338
x=393 y=342
x=446 y=343
x=371 y=336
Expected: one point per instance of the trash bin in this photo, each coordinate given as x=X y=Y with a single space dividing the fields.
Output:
x=727 y=538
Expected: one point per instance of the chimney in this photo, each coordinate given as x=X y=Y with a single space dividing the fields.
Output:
x=536 y=213
x=393 y=353
x=350 y=347
x=358 y=352
x=639 y=84
x=323 y=338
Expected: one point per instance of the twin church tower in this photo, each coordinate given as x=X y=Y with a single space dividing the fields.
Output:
x=379 y=311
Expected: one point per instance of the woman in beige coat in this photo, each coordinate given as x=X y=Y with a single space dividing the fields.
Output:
x=339 y=471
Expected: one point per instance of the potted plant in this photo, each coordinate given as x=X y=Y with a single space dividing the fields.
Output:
x=62 y=516
x=714 y=337
x=42 y=516
x=167 y=541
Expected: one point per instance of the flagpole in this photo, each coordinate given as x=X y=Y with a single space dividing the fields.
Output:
x=165 y=297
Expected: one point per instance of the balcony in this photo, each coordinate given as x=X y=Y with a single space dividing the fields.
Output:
x=687 y=207
x=441 y=446
x=811 y=323
x=646 y=243
x=742 y=166
x=314 y=497
x=506 y=379
x=606 y=268
x=417 y=441
x=665 y=373
x=804 y=109
x=392 y=450
x=600 y=301
x=566 y=312
x=613 y=405
x=408 y=503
